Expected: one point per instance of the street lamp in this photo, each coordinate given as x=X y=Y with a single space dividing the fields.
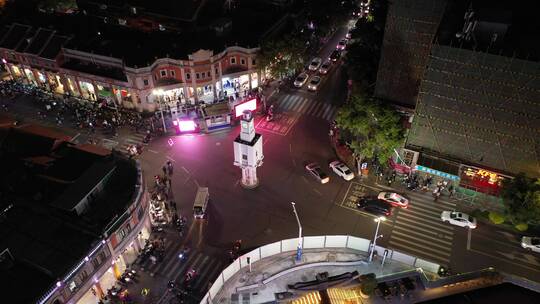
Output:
x=159 y=92
x=299 y=248
x=376 y=236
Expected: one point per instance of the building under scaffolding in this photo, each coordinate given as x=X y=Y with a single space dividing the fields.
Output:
x=479 y=98
x=410 y=28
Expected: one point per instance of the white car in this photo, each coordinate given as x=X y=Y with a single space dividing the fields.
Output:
x=315 y=64
x=458 y=219
x=300 y=80
x=393 y=198
x=342 y=44
x=314 y=83
x=342 y=170
x=315 y=170
x=325 y=67
x=531 y=243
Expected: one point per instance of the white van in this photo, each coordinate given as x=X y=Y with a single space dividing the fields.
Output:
x=201 y=201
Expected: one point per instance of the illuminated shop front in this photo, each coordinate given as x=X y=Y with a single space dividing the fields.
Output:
x=233 y=85
x=254 y=81
x=72 y=86
x=87 y=90
x=16 y=71
x=30 y=76
x=481 y=180
x=41 y=79
x=205 y=94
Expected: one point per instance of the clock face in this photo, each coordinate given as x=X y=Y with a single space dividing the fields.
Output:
x=244 y=124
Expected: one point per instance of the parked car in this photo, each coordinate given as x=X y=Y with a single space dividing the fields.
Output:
x=395 y=199
x=458 y=219
x=315 y=64
x=300 y=80
x=314 y=83
x=342 y=44
x=531 y=243
x=342 y=170
x=374 y=206
x=334 y=57
x=315 y=170
x=325 y=67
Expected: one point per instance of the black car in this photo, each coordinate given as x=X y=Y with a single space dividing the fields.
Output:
x=336 y=54
x=374 y=206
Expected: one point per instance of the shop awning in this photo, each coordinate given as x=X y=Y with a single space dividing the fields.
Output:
x=437 y=166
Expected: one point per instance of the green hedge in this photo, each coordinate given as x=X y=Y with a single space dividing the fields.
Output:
x=522 y=227
x=496 y=218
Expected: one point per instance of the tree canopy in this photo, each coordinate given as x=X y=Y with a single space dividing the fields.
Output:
x=373 y=129
x=521 y=196
x=282 y=56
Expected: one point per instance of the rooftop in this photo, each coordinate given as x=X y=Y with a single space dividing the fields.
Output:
x=45 y=241
x=509 y=28
x=215 y=30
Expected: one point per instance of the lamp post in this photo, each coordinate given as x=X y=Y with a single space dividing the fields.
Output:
x=376 y=236
x=299 y=248
x=159 y=93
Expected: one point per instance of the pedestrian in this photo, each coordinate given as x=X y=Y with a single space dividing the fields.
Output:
x=164 y=168
x=451 y=190
x=170 y=167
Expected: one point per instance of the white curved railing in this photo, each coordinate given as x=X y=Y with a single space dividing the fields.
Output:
x=309 y=242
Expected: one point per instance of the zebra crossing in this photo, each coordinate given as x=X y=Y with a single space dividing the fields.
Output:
x=419 y=231
x=307 y=106
x=173 y=268
x=130 y=140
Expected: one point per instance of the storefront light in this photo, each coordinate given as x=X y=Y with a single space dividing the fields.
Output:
x=186 y=125
x=59 y=283
x=4 y=61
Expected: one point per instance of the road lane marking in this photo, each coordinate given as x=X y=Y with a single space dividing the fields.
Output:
x=469 y=239
x=414 y=224
x=75 y=137
x=153 y=151
x=304 y=103
x=185 y=170
x=196 y=183
x=317 y=191
x=418 y=240
x=419 y=249
x=171 y=159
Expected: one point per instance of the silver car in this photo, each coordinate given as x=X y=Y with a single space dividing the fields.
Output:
x=531 y=243
x=325 y=67
x=315 y=64
x=315 y=170
x=314 y=83
x=300 y=80
x=459 y=219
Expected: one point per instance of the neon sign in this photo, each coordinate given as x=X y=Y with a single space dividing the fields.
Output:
x=480 y=173
x=248 y=105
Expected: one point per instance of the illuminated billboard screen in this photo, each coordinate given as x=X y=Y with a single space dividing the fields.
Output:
x=248 y=105
x=186 y=125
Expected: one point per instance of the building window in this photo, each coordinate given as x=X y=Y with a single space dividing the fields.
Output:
x=217 y=72
x=233 y=60
x=145 y=81
x=163 y=73
x=122 y=234
x=203 y=75
x=244 y=156
x=72 y=286
x=172 y=73
x=82 y=276
x=188 y=76
x=243 y=61
x=253 y=62
x=197 y=75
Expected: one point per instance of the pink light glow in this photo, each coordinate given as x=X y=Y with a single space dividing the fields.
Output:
x=248 y=105
x=186 y=125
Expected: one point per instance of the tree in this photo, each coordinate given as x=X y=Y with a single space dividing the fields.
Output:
x=368 y=283
x=521 y=196
x=53 y=5
x=282 y=56
x=373 y=129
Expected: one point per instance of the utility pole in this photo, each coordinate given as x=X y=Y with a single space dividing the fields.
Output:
x=376 y=236
x=299 y=248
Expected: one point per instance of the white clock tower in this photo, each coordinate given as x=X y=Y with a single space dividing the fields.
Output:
x=248 y=154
